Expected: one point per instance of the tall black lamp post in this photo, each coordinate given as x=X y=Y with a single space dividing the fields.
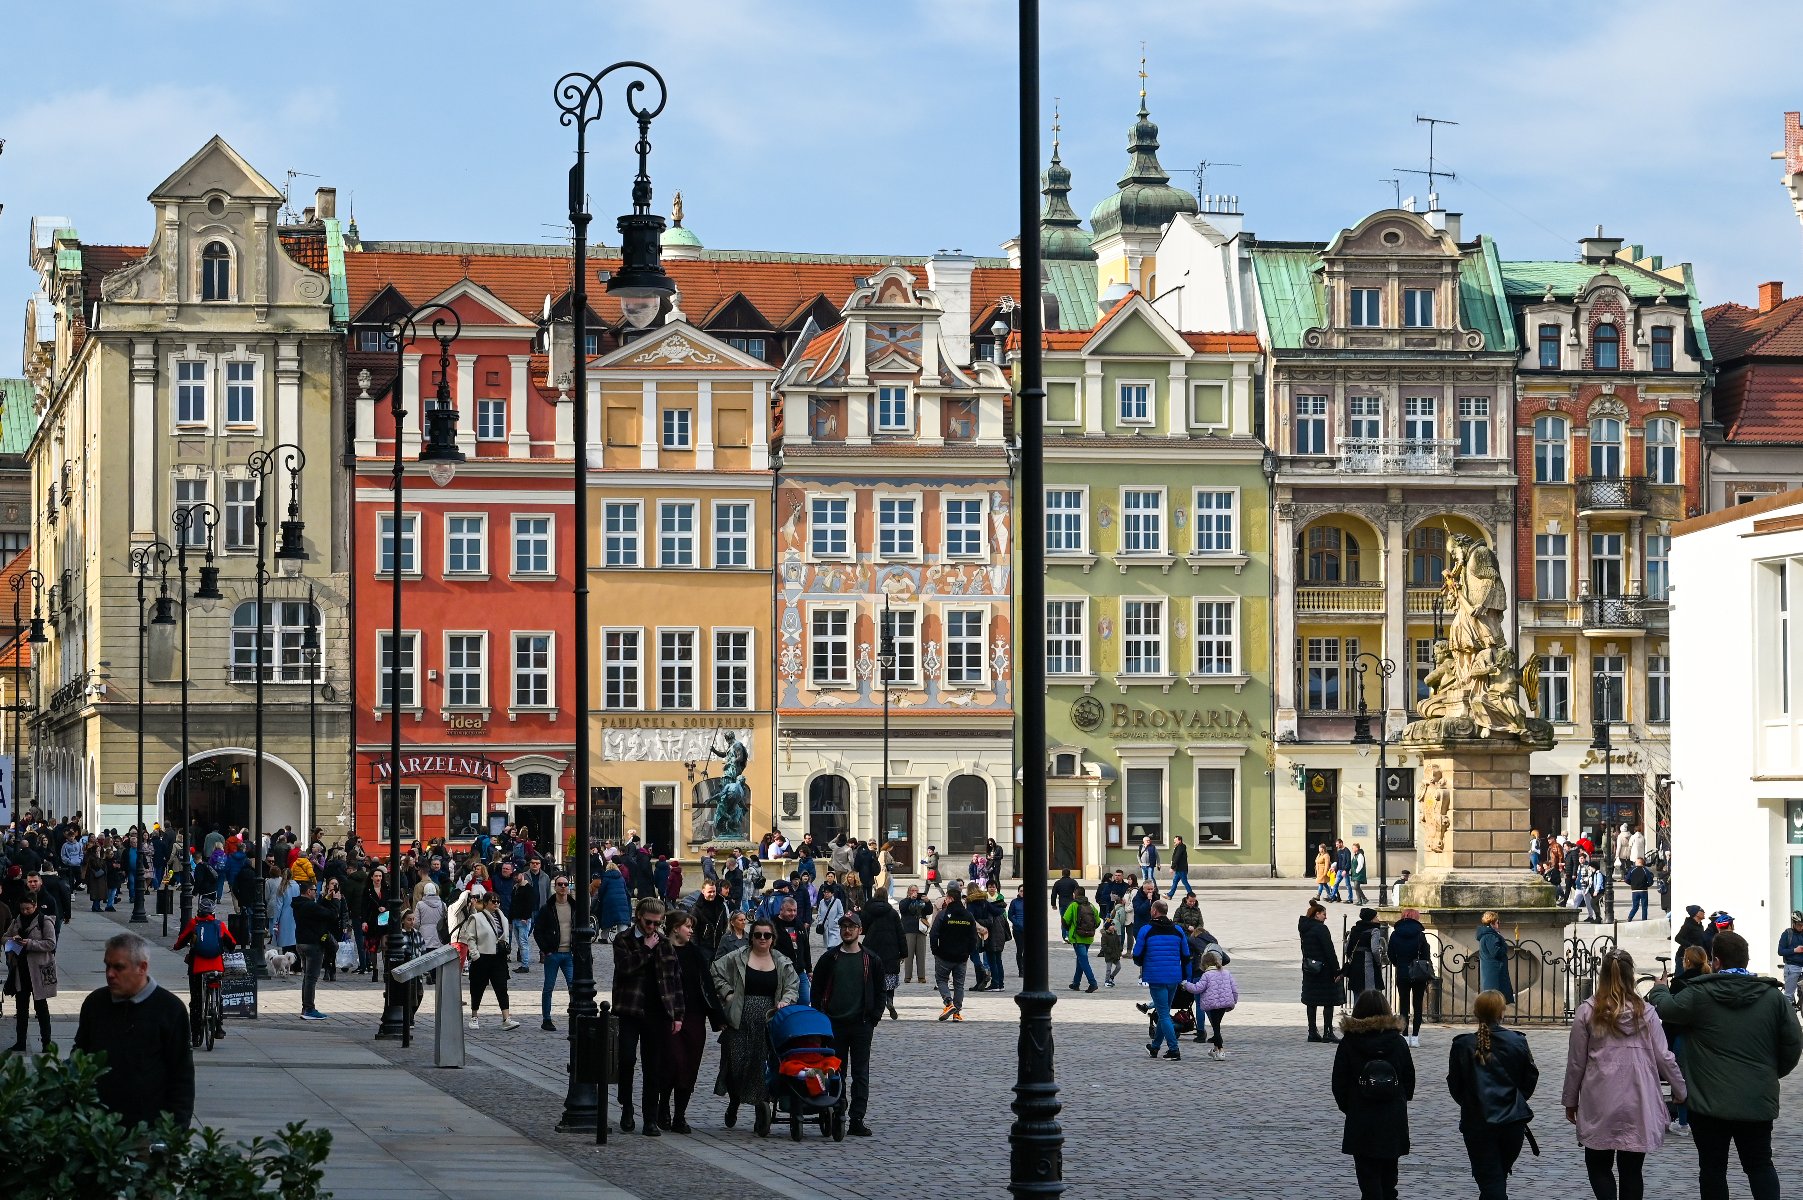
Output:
x=35 y=580
x=289 y=555
x=310 y=659
x=885 y=661
x=151 y=557
x=1601 y=741
x=196 y=525
x=441 y=456
x=1361 y=736
x=1036 y=1139
x=641 y=285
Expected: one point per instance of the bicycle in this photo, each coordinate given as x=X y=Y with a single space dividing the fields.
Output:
x=212 y=1020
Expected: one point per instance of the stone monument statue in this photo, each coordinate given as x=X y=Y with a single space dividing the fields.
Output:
x=723 y=804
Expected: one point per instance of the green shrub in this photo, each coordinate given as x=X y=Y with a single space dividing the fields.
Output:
x=56 y=1141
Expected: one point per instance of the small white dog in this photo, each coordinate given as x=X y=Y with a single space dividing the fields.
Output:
x=279 y=962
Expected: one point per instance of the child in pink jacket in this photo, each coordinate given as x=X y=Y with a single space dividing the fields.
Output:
x=1216 y=994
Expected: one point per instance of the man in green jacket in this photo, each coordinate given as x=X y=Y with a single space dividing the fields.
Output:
x=1740 y=1039
x=1081 y=920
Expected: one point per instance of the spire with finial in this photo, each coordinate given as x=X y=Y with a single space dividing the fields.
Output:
x=1146 y=200
x=1061 y=234
x=679 y=244
x=676 y=211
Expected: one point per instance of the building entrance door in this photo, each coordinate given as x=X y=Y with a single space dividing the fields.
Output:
x=660 y=819
x=897 y=824
x=1064 y=831
x=540 y=822
x=1321 y=813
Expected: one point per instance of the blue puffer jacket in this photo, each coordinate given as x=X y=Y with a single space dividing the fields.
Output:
x=616 y=909
x=1162 y=953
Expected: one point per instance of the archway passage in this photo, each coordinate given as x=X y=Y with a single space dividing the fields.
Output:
x=222 y=794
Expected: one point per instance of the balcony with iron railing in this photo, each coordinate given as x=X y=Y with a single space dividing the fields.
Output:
x=1625 y=494
x=1620 y=616
x=1396 y=456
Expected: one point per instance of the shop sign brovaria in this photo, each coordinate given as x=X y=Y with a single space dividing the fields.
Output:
x=1127 y=722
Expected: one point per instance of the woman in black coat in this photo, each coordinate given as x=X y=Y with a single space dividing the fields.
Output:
x=1373 y=1082
x=1409 y=946
x=1321 y=987
x=883 y=938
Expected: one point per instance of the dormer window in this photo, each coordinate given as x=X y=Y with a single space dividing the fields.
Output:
x=1662 y=347
x=892 y=410
x=215 y=272
x=1418 y=308
x=1605 y=348
x=1364 y=306
x=1549 y=347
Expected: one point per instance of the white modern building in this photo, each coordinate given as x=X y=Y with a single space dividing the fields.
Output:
x=1737 y=717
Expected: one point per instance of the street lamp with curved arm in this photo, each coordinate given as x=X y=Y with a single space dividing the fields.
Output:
x=1361 y=736
x=147 y=559
x=197 y=527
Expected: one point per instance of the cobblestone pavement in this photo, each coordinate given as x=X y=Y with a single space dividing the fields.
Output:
x=1250 y=1126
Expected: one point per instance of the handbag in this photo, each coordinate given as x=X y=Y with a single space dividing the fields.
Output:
x=1339 y=994
x=347 y=954
x=1313 y=966
x=1420 y=971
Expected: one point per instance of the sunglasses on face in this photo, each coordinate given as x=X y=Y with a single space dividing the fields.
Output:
x=763 y=934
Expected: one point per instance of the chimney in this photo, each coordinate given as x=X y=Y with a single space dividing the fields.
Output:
x=1771 y=295
x=949 y=276
x=1597 y=248
x=1448 y=223
x=325 y=203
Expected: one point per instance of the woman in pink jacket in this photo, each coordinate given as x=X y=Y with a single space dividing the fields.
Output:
x=1617 y=1057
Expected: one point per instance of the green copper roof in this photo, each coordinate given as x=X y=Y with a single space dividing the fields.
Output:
x=1146 y=200
x=1073 y=283
x=18 y=416
x=1061 y=234
x=341 y=295
x=1482 y=304
x=1529 y=280
x=1696 y=316
x=678 y=236
x=1289 y=291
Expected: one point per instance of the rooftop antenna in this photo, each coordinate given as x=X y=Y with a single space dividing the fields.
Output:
x=287 y=208
x=1432 y=172
x=1200 y=171
x=1397 y=184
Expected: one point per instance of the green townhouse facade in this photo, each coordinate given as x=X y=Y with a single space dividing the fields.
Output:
x=1158 y=597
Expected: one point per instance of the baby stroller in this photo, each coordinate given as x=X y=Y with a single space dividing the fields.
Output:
x=803 y=1072
x=1183 y=1015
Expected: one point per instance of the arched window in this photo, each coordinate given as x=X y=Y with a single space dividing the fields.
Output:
x=1605 y=348
x=215 y=272
x=1662 y=450
x=1427 y=557
x=829 y=808
x=1329 y=555
x=284 y=658
x=966 y=814
x=1605 y=448
x=1549 y=449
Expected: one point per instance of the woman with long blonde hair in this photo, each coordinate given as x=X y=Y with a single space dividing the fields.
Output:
x=1491 y=1075
x=1612 y=1071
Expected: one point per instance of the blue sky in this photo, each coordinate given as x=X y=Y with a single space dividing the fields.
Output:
x=798 y=125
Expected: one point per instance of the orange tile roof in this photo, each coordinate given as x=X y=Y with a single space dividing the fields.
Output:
x=17 y=651
x=1224 y=343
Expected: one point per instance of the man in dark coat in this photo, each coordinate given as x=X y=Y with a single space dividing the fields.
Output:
x=884 y=938
x=848 y=988
x=710 y=913
x=142 y=1028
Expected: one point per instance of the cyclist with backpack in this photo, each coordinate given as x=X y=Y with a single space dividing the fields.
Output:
x=1373 y=1082
x=1081 y=921
x=207 y=940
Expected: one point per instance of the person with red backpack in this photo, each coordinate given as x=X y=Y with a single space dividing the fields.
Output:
x=207 y=940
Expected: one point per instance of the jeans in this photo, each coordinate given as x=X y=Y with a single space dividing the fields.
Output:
x=311 y=958
x=1149 y=873
x=1343 y=880
x=1493 y=1150
x=1083 y=969
x=1753 y=1141
x=565 y=962
x=1376 y=1176
x=1638 y=906
x=1178 y=877
x=948 y=976
x=1792 y=973
x=1600 y=1165
x=851 y=1042
x=1161 y=1012
x=992 y=962
x=522 y=937
x=807 y=988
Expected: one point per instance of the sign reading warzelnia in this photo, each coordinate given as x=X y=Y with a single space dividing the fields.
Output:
x=1137 y=721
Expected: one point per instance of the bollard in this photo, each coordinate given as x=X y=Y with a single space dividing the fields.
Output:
x=592 y=1061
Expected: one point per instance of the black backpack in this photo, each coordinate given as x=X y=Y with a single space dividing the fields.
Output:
x=1378 y=1082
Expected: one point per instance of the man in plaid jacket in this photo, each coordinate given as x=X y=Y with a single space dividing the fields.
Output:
x=649 y=1004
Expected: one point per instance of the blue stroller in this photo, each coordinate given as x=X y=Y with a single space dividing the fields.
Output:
x=804 y=1073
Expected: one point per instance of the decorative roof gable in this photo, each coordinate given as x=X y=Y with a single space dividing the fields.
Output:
x=1126 y=328
x=215 y=167
x=678 y=346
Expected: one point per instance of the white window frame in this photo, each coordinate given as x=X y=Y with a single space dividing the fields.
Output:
x=409 y=674
x=1548 y=561
x=912 y=526
x=636 y=664
x=233 y=390
x=406 y=545
x=1162 y=530
x=1474 y=422
x=190 y=392
x=1555 y=678
x=1673 y=449
x=1233 y=522
x=665 y=560
x=481 y=671
x=1556 y=450
x=636 y=536
x=845 y=526
x=491 y=418
x=515 y=672
x=1619 y=545
x=1658 y=689
x=676 y=429
x=1081 y=637
x=741 y=540
x=1599 y=447
x=846 y=677
x=981 y=528
x=1365 y=417
x=1309 y=413
x=515 y=571
x=1122 y=414
x=946 y=615
x=746 y=666
x=1358 y=315
x=1659 y=592
x=1418 y=308
x=1158 y=761
x=480 y=571
x=1214 y=762
x=1162 y=605
x=1082 y=510
x=907 y=670
x=240 y=512
x=1414 y=422
x=893 y=393
x=1235 y=663
x=1220 y=392
x=673 y=659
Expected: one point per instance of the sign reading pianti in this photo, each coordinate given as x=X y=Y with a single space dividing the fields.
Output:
x=466 y=766
x=1129 y=721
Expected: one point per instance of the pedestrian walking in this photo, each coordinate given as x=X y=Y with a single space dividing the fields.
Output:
x=931 y=863
x=916 y=913
x=553 y=929
x=522 y=906
x=1324 y=885
x=1148 y=861
x=848 y=988
x=1359 y=876
x=1217 y=994
x=31 y=967
x=476 y=921
x=1411 y=957
x=993 y=932
x=1367 y=950
x=1492 y=1076
x=142 y=1028
x=648 y=1001
x=1081 y=920
x=1179 y=867
x=1163 y=958
x=953 y=939
x=1493 y=958
x=1017 y=922
x=1373 y=1081
x=1617 y=1057
x=1739 y=1039
x=750 y=984
x=616 y=906
x=1342 y=869
x=1321 y=986
x=883 y=939
x=1112 y=948
x=688 y=1037
x=1639 y=879
x=1790 y=954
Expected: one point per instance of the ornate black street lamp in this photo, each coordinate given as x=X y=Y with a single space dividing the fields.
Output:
x=1602 y=709
x=35 y=580
x=885 y=661
x=152 y=556
x=1036 y=1139
x=641 y=285
x=195 y=525
x=1361 y=736
x=441 y=455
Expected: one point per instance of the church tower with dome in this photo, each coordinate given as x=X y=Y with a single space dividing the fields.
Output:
x=1127 y=224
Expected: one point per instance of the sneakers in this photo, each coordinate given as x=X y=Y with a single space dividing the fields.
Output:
x=1679 y=1128
x=1414 y=1040
x=1173 y=1055
x=1110 y=983
x=1217 y=1054
x=945 y=1014
x=472 y=1023
x=859 y=1129
x=1151 y=1049
x=313 y=1014
x=958 y=1017
x=521 y=969
x=548 y=1025
x=510 y=1024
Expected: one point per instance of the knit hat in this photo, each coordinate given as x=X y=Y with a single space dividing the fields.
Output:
x=1694 y=910
x=1367 y=914
x=206 y=906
